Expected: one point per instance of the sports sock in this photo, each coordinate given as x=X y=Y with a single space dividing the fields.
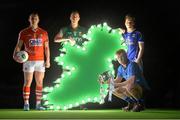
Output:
x=38 y=94
x=26 y=93
x=129 y=99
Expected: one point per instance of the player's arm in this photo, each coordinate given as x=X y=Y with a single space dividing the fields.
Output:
x=17 y=48
x=141 y=51
x=128 y=83
x=47 y=54
x=121 y=30
x=117 y=81
x=59 y=38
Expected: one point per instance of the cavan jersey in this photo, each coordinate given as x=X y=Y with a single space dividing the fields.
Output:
x=34 y=42
x=76 y=34
x=132 y=69
x=132 y=39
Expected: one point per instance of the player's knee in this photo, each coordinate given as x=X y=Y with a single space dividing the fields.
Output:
x=39 y=83
x=27 y=83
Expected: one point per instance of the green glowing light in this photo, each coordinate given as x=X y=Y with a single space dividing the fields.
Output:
x=79 y=84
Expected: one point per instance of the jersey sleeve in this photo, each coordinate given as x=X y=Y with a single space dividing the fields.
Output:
x=62 y=32
x=140 y=37
x=119 y=72
x=123 y=35
x=21 y=36
x=46 y=37
x=85 y=30
x=132 y=69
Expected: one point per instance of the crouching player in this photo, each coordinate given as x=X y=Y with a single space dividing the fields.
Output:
x=132 y=88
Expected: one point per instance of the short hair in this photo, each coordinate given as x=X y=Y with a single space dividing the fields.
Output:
x=33 y=14
x=123 y=56
x=120 y=51
x=130 y=17
x=74 y=12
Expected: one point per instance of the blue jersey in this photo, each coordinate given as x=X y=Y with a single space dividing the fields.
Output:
x=132 y=69
x=132 y=39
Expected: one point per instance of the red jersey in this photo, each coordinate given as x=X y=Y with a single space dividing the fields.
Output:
x=34 y=41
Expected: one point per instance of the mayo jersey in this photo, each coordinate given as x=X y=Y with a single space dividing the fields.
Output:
x=76 y=34
x=34 y=41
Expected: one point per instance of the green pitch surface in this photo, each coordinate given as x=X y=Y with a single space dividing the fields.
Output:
x=89 y=114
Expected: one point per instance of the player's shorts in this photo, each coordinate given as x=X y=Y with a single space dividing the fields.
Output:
x=31 y=66
x=140 y=64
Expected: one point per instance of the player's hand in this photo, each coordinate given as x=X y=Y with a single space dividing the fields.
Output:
x=137 y=61
x=116 y=85
x=47 y=64
x=101 y=81
x=72 y=41
x=129 y=86
x=108 y=81
x=121 y=31
x=16 y=58
x=57 y=40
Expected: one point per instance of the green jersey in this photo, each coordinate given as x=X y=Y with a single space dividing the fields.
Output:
x=76 y=34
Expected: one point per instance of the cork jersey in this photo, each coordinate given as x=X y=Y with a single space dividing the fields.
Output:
x=34 y=41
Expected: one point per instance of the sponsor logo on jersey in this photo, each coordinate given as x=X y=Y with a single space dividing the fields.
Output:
x=130 y=42
x=133 y=35
x=130 y=39
x=35 y=42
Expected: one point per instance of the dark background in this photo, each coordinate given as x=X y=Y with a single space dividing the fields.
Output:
x=158 y=22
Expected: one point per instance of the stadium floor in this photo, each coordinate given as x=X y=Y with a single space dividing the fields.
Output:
x=89 y=114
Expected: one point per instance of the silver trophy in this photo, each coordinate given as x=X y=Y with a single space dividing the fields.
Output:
x=103 y=78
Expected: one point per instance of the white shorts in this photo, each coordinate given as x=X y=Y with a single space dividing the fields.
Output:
x=31 y=66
